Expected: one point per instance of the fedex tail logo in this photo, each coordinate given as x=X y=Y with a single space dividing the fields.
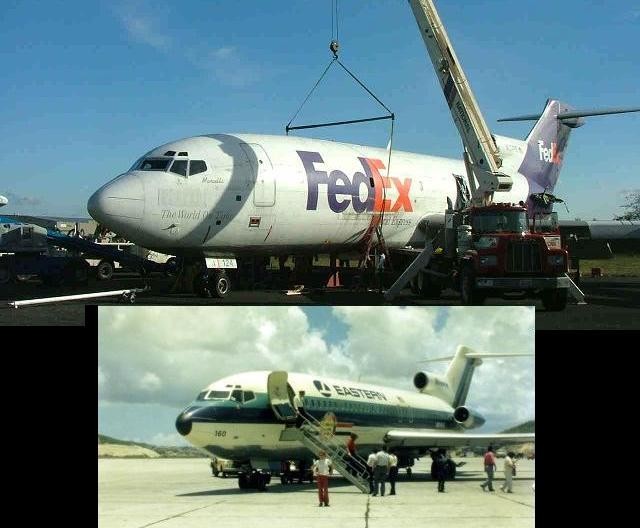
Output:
x=550 y=155
x=343 y=191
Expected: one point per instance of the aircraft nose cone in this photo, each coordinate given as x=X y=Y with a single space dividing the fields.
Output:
x=120 y=198
x=184 y=423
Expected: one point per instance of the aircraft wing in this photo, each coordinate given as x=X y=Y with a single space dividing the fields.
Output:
x=427 y=438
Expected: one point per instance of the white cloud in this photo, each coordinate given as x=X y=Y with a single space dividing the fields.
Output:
x=150 y=382
x=224 y=52
x=144 y=23
x=149 y=24
x=167 y=354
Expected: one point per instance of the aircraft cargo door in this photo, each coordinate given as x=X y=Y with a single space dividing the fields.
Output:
x=278 y=390
x=264 y=190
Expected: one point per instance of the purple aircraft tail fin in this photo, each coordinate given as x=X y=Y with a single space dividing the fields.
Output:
x=546 y=145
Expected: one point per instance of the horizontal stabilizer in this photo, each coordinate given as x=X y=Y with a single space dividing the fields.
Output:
x=474 y=355
x=574 y=115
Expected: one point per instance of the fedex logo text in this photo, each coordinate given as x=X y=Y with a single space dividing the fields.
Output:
x=550 y=155
x=343 y=191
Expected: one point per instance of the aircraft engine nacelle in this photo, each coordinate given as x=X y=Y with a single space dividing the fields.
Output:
x=432 y=384
x=467 y=418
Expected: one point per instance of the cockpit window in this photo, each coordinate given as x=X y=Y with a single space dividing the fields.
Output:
x=201 y=395
x=179 y=167
x=237 y=396
x=154 y=164
x=197 y=166
x=217 y=395
x=248 y=396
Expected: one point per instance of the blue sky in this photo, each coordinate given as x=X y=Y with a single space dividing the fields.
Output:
x=153 y=361
x=87 y=87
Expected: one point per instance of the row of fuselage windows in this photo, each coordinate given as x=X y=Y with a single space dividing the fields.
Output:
x=179 y=166
x=369 y=408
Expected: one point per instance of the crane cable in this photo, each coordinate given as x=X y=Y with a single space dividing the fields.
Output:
x=334 y=47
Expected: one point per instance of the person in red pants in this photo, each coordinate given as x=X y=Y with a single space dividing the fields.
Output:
x=322 y=468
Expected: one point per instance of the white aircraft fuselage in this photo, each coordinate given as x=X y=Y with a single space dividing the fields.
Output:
x=247 y=194
x=233 y=418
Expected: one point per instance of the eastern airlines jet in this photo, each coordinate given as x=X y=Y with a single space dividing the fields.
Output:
x=245 y=417
x=235 y=195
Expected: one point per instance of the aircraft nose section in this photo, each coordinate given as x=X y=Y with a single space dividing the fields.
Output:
x=184 y=423
x=120 y=198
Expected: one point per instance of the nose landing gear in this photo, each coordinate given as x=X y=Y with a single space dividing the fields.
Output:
x=254 y=479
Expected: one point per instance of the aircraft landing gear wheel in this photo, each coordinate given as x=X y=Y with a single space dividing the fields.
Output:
x=171 y=267
x=202 y=286
x=221 y=284
x=409 y=472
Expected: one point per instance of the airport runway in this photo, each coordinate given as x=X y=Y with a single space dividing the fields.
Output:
x=612 y=303
x=181 y=493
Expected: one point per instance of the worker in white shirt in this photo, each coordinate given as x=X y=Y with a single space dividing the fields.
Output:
x=393 y=472
x=371 y=462
x=380 y=471
x=322 y=468
x=509 y=467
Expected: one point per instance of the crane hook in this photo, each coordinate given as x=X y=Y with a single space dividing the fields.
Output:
x=334 y=46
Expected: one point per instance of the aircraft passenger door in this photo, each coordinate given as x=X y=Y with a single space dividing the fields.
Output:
x=264 y=190
x=277 y=388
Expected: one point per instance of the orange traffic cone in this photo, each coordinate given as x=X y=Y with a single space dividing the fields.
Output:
x=334 y=280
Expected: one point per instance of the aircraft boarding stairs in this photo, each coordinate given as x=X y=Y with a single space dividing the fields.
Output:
x=312 y=435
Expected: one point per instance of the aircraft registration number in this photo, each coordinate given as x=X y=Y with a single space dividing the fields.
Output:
x=220 y=433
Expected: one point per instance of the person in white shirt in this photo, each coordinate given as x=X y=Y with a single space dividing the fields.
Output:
x=393 y=472
x=509 y=467
x=298 y=403
x=322 y=468
x=380 y=471
x=371 y=462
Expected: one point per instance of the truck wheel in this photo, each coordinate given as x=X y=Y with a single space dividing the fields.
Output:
x=554 y=300
x=468 y=290
x=221 y=284
x=5 y=273
x=243 y=481
x=427 y=286
x=104 y=271
x=467 y=286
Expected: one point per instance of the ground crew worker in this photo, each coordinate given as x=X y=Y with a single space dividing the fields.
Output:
x=393 y=472
x=380 y=471
x=489 y=468
x=322 y=468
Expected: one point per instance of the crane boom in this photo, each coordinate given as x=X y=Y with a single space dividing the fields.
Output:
x=482 y=157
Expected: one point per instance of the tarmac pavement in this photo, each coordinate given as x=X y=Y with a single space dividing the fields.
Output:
x=181 y=493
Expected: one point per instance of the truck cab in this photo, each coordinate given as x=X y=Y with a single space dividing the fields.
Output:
x=500 y=248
